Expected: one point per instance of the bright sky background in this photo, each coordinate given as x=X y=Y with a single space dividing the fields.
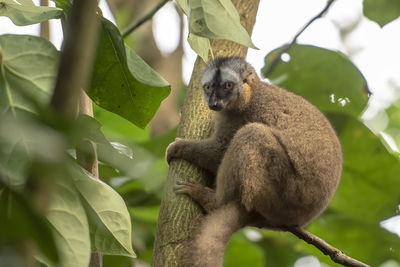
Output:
x=377 y=55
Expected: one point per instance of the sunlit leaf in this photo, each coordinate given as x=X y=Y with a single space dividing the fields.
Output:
x=217 y=19
x=382 y=11
x=184 y=5
x=326 y=78
x=28 y=67
x=200 y=45
x=110 y=225
x=122 y=82
x=25 y=13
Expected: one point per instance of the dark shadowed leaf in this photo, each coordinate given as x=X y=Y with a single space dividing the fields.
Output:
x=369 y=172
x=20 y=221
x=122 y=82
x=26 y=13
x=326 y=78
x=381 y=11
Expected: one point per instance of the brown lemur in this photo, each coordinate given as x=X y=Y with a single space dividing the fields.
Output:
x=276 y=159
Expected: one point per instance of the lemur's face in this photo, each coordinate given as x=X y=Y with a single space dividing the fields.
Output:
x=221 y=86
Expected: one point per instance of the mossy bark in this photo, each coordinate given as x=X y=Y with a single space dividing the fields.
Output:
x=177 y=212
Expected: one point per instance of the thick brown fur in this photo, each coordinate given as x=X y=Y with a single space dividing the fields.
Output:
x=276 y=158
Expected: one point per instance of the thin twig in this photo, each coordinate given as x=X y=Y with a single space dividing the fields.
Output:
x=329 y=250
x=45 y=25
x=288 y=46
x=133 y=26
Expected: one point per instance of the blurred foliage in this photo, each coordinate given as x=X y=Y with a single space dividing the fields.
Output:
x=50 y=203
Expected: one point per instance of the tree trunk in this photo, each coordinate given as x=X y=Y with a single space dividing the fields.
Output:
x=177 y=212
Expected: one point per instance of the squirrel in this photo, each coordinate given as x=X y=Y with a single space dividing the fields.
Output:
x=276 y=159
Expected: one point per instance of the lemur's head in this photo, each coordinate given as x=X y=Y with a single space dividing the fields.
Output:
x=223 y=81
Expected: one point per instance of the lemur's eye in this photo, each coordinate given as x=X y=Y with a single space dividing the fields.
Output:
x=228 y=85
x=206 y=87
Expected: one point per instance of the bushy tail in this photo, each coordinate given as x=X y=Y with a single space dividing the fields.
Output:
x=207 y=247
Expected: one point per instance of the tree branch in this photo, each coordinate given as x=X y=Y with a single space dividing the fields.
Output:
x=287 y=47
x=78 y=56
x=178 y=214
x=136 y=24
x=329 y=250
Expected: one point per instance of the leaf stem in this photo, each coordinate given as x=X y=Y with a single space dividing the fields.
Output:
x=288 y=46
x=136 y=24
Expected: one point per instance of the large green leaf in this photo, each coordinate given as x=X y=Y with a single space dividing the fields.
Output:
x=217 y=19
x=122 y=82
x=381 y=11
x=367 y=194
x=68 y=219
x=368 y=190
x=326 y=78
x=28 y=67
x=110 y=225
x=25 y=12
x=200 y=45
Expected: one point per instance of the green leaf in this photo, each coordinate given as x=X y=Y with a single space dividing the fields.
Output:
x=20 y=221
x=117 y=128
x=70 y=226
x=326 y=78
x=382 y=11
x=369 y=172
x=28 y=68
x=217 y=19
x=110 y=225
x=184 y=5
x=113 y=155
x=200 y=45
x=26 y=13
x=393 y=126
x=122 y=82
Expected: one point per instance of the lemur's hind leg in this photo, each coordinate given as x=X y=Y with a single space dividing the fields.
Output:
x=203 y=195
